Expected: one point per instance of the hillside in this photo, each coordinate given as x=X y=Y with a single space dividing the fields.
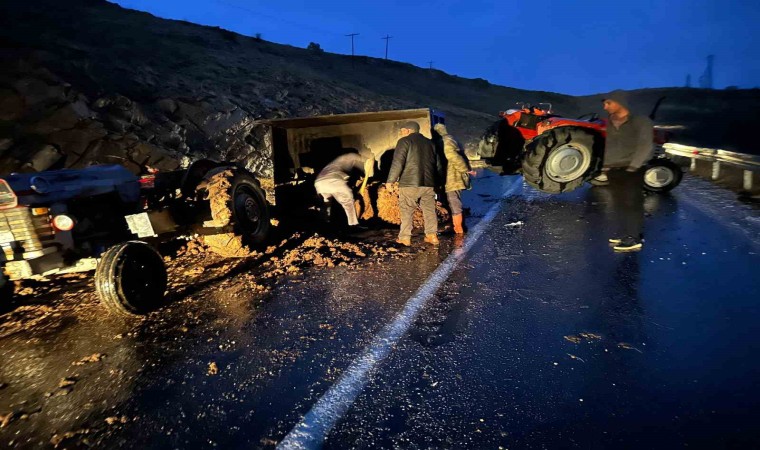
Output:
x=86 y=81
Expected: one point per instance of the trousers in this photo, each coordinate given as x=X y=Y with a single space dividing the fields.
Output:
x=408 y=199
x=627 y=189
x=339 y=190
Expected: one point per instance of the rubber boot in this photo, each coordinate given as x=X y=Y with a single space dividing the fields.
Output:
x=458 y=221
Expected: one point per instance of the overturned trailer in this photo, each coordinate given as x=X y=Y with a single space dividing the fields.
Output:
x=299 y=147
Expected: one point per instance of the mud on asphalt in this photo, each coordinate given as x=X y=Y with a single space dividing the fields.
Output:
x=58 y=342
x=43 y=314
x=192 y=269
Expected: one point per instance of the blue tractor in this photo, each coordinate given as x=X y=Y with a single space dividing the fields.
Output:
x=106 y=219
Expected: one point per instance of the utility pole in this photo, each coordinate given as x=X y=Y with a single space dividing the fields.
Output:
x=706 y=80
x=387 y=38
x=352 y=46
x=430 y=63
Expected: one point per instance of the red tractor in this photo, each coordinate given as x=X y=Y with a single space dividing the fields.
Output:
x=556 y=154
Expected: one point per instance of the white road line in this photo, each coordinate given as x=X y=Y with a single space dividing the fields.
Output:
x=311 y=431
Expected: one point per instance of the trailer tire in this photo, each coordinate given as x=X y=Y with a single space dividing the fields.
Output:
x=235 y=197
x=662 y=175
x=562 y=159
x=130 y=279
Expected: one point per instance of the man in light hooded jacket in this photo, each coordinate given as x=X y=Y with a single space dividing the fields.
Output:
x=332 y=182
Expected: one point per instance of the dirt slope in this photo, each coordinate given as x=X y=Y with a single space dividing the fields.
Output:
x=86 y=81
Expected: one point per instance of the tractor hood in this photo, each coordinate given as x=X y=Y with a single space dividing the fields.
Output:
x=44 y=188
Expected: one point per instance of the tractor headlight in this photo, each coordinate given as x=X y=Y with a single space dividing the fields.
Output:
x=63 y=222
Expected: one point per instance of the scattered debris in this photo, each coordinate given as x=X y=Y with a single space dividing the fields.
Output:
x=6 y=419
x=576 y=357
x=95 y=357
x=627 y=346
x=114 y=420
x=213 y=369
x=519 y=223
x=60 y=438
x=580 y=337
x=66 y=382
x=591 y=336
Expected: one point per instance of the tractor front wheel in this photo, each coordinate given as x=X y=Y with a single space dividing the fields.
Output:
x=662 y=175
x=562 y=159
x=131 y=279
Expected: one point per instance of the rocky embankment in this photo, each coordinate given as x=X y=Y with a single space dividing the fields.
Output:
x=87 y=82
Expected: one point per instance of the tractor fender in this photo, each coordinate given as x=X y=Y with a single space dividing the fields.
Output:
x=558 y=122
x=195 y=174
x=221 y=167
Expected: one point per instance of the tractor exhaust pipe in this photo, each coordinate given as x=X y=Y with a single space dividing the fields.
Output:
x=656 y=107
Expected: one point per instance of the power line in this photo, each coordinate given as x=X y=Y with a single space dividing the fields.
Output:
x=278 y=18
x=387 y=38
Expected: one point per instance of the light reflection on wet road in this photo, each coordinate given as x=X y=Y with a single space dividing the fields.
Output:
x=558 y=342
x=542 y=338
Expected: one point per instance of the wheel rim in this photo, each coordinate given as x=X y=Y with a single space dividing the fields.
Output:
x=247 y=208
x=568 y=162
x=659 y=176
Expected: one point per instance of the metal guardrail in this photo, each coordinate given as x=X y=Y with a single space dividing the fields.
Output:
x=748 y=163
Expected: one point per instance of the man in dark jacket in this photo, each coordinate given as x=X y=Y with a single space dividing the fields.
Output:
x=415 y=170
x=628 y=148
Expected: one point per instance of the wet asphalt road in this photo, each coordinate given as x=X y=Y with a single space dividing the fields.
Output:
x=541 y=337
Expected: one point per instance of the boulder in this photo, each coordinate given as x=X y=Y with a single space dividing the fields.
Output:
x=37 y=92
x=63 y=118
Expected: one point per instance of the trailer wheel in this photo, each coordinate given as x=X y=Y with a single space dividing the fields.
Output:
x=131 y=279
x=236 y=198
x=662 y=175
x=562 y=159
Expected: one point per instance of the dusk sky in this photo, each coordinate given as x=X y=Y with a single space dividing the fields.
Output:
x=572 y=47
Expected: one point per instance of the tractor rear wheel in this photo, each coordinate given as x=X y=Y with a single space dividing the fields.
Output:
x=236 y=198
x=662 y=175
x=562 y=159
x=131 y=279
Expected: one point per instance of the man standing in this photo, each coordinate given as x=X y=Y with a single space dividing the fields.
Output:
x=457 y=176
x=415 y=168
x=332 y=182
x=628 y=148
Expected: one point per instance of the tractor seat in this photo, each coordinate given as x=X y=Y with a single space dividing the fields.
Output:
x=529 y=121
